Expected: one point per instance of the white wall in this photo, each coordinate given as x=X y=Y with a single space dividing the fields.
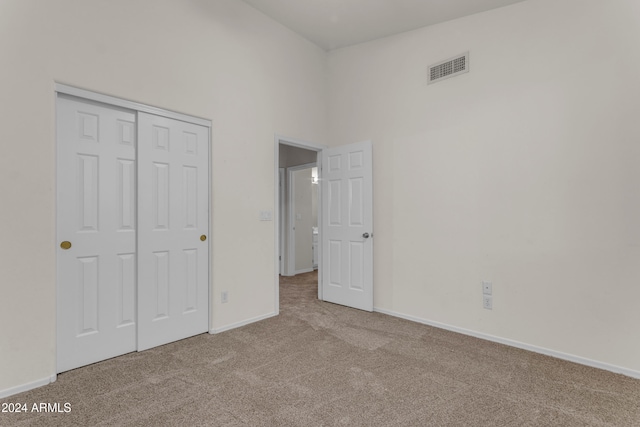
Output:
x=217 y=59
x=303 y=219
x=314 y=198
x=524 y=172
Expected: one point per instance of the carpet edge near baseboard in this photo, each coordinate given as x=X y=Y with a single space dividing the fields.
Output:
x=517 y=344
x=214 y=331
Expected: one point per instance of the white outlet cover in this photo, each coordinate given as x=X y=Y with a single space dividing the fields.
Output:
x=487 y=288
x=266 y=216
x=487 y=302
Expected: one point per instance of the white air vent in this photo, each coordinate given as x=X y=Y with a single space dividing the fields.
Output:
x=449 y=68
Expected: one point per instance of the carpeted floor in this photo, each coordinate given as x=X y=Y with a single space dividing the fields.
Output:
x=319 y=364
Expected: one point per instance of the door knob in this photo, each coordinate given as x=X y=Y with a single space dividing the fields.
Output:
x=65 y=245
x=365 y=235
x=203 y=237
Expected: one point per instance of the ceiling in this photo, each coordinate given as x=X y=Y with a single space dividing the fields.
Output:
x=332 y=24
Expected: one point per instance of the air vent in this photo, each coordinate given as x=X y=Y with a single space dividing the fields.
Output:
x=449 y=68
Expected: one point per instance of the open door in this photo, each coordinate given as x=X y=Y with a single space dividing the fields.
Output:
x=347 y=225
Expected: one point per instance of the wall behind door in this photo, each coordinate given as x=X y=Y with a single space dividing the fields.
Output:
x=220 y=60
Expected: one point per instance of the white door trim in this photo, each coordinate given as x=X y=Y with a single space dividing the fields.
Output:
x=291 y=247
x=279 y=139
x=132 y=105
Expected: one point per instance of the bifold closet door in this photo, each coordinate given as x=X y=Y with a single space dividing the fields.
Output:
x=96 y=230
x=173 y=221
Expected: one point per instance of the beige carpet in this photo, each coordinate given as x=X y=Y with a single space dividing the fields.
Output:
x=319 y=364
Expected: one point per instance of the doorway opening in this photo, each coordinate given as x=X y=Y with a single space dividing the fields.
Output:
x=297 y=202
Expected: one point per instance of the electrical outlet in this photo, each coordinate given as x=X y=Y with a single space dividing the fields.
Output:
x=487 y=288
x=224 y=297
x=487 y=302
x=266 y=216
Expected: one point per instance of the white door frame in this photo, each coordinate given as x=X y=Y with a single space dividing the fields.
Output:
x=60 y=88
x=291 y=256
x=131 y=105
x=278 y=140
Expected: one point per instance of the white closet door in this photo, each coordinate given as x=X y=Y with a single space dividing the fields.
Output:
x=173 y=204
x=96 y=216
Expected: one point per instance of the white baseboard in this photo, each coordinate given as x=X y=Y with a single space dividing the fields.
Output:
x=304 y=270
x=553 y=353
x=26 y=387
x=242 y=323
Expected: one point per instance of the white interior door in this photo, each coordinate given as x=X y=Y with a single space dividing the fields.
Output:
x=347 y=225
x=173 y=252
x=96 y=230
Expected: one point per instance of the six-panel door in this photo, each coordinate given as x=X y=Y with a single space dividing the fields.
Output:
x=96 y=227
x=347 y=219
x=173 y=229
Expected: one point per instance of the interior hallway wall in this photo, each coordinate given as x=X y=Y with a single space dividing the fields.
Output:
x=523 y=172
x=218 y=59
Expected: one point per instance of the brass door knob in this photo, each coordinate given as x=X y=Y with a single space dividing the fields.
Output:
x=65 y=245
x=203 y=237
